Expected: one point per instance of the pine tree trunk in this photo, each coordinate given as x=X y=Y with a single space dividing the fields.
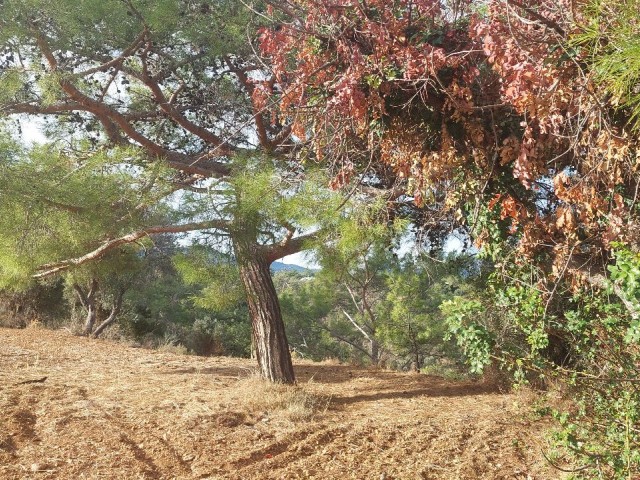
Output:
x=269 y=337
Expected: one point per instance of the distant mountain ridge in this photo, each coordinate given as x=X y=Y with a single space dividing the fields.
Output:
x=279 y=266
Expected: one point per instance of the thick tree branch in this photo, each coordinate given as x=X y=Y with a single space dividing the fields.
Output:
x=289 y=246
x=175 y=114
x=261 y=130
x=113 y=120
x=53 y=268
x=390 y=194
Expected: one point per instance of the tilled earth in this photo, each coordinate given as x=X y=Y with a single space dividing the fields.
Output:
x=74 y=408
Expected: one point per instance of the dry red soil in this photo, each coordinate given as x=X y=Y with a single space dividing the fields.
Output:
x=74 y=408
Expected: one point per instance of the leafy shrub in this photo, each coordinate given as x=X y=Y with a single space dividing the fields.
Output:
x=587 y=339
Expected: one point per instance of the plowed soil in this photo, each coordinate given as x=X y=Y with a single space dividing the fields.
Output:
x=73 y=408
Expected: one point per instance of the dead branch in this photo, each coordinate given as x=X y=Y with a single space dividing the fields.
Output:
x=53 y=268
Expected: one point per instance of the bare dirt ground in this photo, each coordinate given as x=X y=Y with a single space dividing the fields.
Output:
x=73 y=408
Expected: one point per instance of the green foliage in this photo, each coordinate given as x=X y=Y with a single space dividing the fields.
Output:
x=414 y=325
x=474 y=339
x=96 y=26
x=55 y=207
x=409 y=327
x=49 y=88
x=164 y=307
x=264 y=194
x=12 y=83
x=525 y=310
x=585 y=339
x=159 y=300
x=600 y=434
x=357 y=234
x=490 y=230
x=609 y=39
x=216 y=275
x=356 y=260
x=373 y=305
x=42 y=302
x=625 y=276
x=306 y=302
x=222 y=333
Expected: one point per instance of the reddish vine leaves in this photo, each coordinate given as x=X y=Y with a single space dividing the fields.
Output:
x=497 y=106
x=399 y=83
x=570 y=140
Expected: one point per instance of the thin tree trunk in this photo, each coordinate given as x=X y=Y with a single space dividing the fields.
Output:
x=416 y=349
x=88 y=301
x=351 y=343
x=115 y=310
x=269 y=337
x=375 y=351
x=90 y=319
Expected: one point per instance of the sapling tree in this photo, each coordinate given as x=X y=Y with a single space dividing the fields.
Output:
x=100 y=289
x=414 y=328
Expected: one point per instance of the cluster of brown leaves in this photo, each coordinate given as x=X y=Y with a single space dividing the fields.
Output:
x=569 y=141
x=399 y=84
x=498 y=106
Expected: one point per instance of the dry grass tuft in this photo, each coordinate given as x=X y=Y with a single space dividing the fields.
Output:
x=34 y=323
x=290 y=402
x=172 y=348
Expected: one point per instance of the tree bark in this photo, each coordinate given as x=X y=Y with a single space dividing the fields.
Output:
x=374 y=347
x=90 y=319
x=89 y=303
x=269 y=337
x=115 y=310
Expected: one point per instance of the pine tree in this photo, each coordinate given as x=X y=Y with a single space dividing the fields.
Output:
x=147 y=108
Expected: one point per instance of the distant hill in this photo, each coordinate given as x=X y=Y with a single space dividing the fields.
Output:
x=279 y=266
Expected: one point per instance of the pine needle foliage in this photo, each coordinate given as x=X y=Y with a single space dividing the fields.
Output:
x=54 y=206
x=609 y=35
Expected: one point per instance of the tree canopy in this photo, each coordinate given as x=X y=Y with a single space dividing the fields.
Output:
x=490 y=114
